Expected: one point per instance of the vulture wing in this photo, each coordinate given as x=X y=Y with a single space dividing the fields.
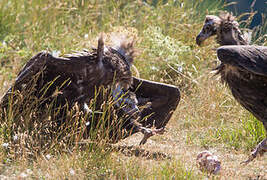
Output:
x=73 y=64
x=57 y=65
x=251 y=58
x=82 y=69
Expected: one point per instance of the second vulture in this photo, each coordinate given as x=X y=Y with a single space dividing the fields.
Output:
x=243 y=68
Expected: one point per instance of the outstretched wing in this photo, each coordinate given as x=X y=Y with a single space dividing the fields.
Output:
x=251 y=58
x=73 y=64
x=82 y=69
x=42 y=59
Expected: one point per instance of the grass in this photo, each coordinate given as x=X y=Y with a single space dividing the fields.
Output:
x=207 y=117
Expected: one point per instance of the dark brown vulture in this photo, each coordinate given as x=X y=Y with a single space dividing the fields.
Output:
x=243 y=68
x=76 y=78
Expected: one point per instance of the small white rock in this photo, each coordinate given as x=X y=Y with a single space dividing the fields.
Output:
x=15 y=137
x=23 y=175
x=5 y=145
x=72 y=172
x=29 y=171
x=48 y=156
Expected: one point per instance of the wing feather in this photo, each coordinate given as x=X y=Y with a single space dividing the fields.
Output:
x=251 y=58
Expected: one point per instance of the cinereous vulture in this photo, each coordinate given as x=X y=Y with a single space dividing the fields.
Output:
x=76 y=78
x=243 y=68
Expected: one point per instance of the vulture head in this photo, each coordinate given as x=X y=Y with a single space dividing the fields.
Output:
x=115 y=62
x=224 y=27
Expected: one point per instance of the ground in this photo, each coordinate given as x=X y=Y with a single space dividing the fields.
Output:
x=207 y=117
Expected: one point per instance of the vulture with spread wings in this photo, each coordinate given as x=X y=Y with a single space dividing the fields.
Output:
x=77 y=79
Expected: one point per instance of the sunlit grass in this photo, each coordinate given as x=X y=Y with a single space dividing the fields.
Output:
x=207 y=116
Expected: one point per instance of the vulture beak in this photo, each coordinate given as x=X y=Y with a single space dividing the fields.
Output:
x=202 y=37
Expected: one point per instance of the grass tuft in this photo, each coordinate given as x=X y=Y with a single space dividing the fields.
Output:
x=207 y=117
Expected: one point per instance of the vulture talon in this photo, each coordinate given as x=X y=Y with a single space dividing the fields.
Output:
x=260 y=149
x=249 y=160
x=148 y=133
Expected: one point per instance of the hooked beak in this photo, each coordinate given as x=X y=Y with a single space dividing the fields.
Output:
x=202 y=37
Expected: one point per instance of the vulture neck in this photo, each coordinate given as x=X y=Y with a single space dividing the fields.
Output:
x=228 y=34
x=230 y=37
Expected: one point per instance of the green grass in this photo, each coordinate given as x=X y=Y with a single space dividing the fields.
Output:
x=207 y=117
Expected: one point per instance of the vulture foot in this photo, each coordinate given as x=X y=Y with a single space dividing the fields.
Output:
x=149 y=132
x=261 y=148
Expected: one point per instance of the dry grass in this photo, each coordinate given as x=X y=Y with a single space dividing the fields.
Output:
x=207 y=117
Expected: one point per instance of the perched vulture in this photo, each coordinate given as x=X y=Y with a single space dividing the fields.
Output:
x=243 y=68
x=77 y=78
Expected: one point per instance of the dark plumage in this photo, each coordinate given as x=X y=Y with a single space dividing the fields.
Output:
x=244 y=70
x=224 y=27
x=76 y=79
